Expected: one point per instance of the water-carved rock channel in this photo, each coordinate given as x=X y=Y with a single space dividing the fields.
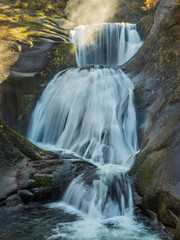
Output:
x=90 y=111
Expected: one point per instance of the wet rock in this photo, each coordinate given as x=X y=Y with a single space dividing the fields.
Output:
x=29 y=175
x=129 y=11
x=153 y=216
x=154 y=71
x=15 y=151
x=48 y=179
x=177 y=232
x=145 y=25
x=12 y=201
x=28 y=77
x=165 y=8
x=25 y=196
x=137 y=200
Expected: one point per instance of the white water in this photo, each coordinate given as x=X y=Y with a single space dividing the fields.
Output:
x=109 y=196
x=91 y=112
x=109 y=44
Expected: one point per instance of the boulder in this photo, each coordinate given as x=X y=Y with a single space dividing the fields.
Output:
x=30 y=175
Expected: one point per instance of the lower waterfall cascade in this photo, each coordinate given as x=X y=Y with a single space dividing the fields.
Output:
x=90 y=111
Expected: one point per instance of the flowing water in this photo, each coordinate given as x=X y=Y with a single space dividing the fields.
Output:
x=109 y=44
x=90 y=111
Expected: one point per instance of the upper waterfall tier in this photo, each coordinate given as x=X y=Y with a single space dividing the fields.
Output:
x=109 y=44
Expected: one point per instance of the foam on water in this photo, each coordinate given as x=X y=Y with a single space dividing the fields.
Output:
x=87 y=228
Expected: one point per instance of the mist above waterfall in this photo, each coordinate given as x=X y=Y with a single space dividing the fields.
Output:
x=91 y=11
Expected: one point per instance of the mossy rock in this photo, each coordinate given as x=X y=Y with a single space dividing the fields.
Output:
x=37 y=176
x=145 y=25
x=15 y=147
x=151 y=164
x=48 y=179
x=40 y=181
x=62 y=57
x=164 y=204
x=155 y=72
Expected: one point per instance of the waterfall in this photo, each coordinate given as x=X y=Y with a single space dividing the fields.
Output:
x=90 y=111
x=109 y=44
x=109 y=196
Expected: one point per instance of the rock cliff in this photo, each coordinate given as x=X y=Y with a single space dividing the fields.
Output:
x=33 y=47
x=155 y=72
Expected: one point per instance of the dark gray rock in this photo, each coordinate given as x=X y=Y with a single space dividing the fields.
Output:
x=155 y=73
x=29 y=175
x=28 y=64
x=49 y=179
x=177 y=233
x=153 y=216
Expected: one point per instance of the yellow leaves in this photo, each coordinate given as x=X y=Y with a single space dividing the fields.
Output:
x=49 y=7
x=148 y=4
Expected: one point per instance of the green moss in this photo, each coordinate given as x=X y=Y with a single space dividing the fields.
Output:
x=168 y=209
x=22 y=22
x=151 y=200
x=48 y=165
x=162 y=210
x=153 y=162
x=63 y=57
x=39 y=181
x=158 y=146
x=145 y=24
x=16 y=146
x=164 y=204
x=138 y=94
x=45 y=6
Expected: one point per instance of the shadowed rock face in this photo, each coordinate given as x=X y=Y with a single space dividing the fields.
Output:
x=29 y=76
x=30 y=175
x=155 y=72
x=129 y=11
x=27 y=66
x=177 y=233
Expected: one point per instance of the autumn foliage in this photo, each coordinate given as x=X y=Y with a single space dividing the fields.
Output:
x=148 y=4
